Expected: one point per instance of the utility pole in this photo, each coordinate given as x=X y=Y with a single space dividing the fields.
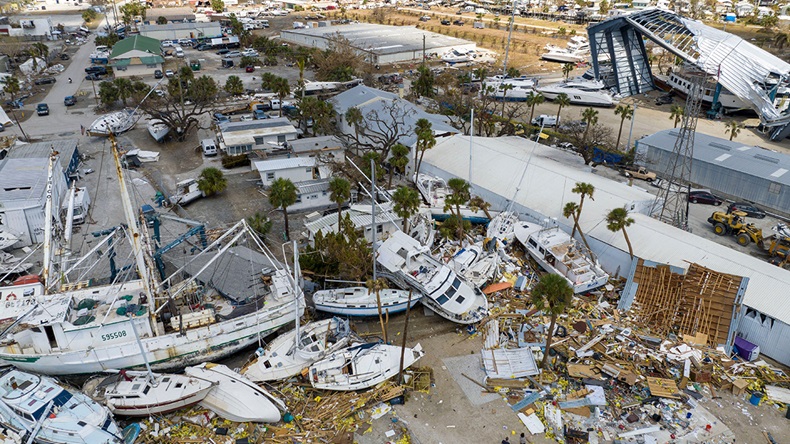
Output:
x=423 y=50
x=509 y=35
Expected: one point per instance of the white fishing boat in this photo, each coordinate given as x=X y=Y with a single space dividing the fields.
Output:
x=458 y=55
x=39 y=406
x=501 y=227
x=235 y=397
x=481 y=271
x=285 y=357
x=93 y=328
x=20 y=297
x=361 y=366
x=359 y=301
x=187 y=191
x=580 y=92
x=444 y=292
x=465 y=257
x=143 y=394
x=555 y=251
x=680 y=81
x=7 y=239
x=113 y=123
x=158 y=129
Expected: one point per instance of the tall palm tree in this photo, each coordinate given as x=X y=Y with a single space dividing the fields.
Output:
x=283 y=194
x=625 y=112
x=532 y=100
x=282 y=89
x=377 y=286
x=590 y=117
x=676 y=112
x=551 y=294
x=583 y=189
x=399 y=159
x=732 y=128
x=13 y=88
x=355 y=118
x=425 y=140
x=124 y=87
x=461 y=194
x=562 y=100
x=301 y=65
x=211 y=181
x=42 y=50
x=567 y=69
x=339 y=193
x=407 y=202
x=618 y=220
x=505 y=87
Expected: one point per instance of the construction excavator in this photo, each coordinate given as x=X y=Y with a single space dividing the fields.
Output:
x=778 y=245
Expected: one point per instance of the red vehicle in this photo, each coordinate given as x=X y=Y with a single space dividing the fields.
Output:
x=250 y=69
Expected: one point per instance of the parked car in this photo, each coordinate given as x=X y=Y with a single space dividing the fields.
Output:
x=203 y=47
x=458 y=23
x=219 y=118
x=45 y=81
x=233 y=54
x=223 y=51
x=167 y=43
x=249 y=53
x=94 y=76
x=250 y=69
x=64 y=56
x=425 y=18
x=666 y=99
x=70 y=100
x=158 y=74
x=704 y=197
x=169 y=73
x=42 y=109
x=96 y=70
x=750 y=209
x=445 y=22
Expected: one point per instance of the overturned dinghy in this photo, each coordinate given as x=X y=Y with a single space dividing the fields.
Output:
x=361 y=366
x=235 y=397
x=285 y=357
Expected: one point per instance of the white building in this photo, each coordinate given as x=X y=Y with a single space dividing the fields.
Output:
x=324 y=148
x=312 y=195
x=267 y=134
x=32 y=28
x=185 y=30
x=551 y=174
x=296 y=169
x=387 y=223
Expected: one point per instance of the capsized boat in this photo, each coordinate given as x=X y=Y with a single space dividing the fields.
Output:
x=446 y=293
x=113 y=123
x=158 y=129
x=37 y=404
x=361 y=366
x=140 y=394
x=235 y=397
x=284 y=358
x=7 y=239
x=555 y=251
x=359 y=301
x=187 y=191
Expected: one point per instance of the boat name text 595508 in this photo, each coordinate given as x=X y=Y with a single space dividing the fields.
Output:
x=111 y=336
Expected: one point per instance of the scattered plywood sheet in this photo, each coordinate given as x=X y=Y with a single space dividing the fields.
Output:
x=697 y=339
x=499 y=286
x=775 y=393
x=582 y=371
x=663 y=388
x=533 y=423
x=509 y=363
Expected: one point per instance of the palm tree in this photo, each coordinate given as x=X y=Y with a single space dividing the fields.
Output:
x=782 y=39
x=282 y=89
x=301 y=65
x=562 y=100
x=567 y=69
x=583 y=189
x=12 y=88
x=124 y=86
x=211 y=181
x=425 y=140
x=398 y=160
x=339 y=193
x=460 y=196
x=505 y=87
x=732 y=128
x=625 y=112
x=282 y=195
x=676 y=112
x=260 y=224
x=42 y=50
x=478 y=203
x=532 y=100
x=354 y=118
x=618 y=220
x=590 y=117
x=551 y=294
x=407 y=202
x=378 y=285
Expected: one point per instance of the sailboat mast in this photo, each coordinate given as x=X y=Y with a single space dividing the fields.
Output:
x=142 y=351
x=373 y=212
x=471 y=134
x=47 y=263
x=296 y=291
x=509 y=35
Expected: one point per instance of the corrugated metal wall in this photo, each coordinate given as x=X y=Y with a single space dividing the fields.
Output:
x=723 y=181
x=770 y=334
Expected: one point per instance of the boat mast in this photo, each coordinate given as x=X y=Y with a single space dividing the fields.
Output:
x=142 y=351
x=509 y=35
x=47 y=263
x=373 y=212
x=471 y=134
x=296 y=292
x=524 y=173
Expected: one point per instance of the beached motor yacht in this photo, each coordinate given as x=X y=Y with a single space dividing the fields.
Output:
x=158 y=129
x=514 y=89
x=434 y=190
x=580 y=92
x=555 y=251
x=359 y=301
x=38 y=405
x=361 y=366
x=458 y=55
x=285 y=356
x=563 y=55
x=187 y=191
x=235 y=397
x=444 y=291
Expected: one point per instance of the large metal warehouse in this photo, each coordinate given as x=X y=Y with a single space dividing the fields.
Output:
x=548 y=177
x=728 y=168
x=380 y=43
x=187 y=30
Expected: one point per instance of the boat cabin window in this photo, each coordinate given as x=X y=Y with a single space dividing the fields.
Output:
x=442 y=299
x=179 y=385
x=532 y=242
x=146 y=389
x=136 y=387
x=460 y=299
x=267 y=364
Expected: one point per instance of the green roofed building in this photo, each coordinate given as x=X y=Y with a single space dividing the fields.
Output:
x=136 y=56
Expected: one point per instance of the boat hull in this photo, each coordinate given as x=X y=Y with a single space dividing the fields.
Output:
x=577 y=288
x=323 y=374
x=160 y=408
x=392 y=301
x=167 y=352
x=340 y=309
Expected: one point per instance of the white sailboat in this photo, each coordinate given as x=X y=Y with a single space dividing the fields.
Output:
x=359 y=301
x=39 y=406
x=158 y=129
x=502 y=225
x=285 y=356
x=444 y=292
x=113 y=123
x=556 y=252
x=361 y=366
x=235 y=397
x=85 y=331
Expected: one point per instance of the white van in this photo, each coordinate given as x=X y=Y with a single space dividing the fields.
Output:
x=179 y=52
x=82 y=203
x=209 y=147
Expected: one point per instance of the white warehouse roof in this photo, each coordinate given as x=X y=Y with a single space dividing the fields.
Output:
x=550 y=175
x=282 y=164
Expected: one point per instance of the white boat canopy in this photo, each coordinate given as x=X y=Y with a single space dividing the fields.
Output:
x=747 y=71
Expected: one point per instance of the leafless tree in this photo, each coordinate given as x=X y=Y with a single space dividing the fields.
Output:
x=380 y=129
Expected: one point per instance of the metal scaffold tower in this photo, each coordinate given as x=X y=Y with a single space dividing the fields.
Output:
x=672 y=200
